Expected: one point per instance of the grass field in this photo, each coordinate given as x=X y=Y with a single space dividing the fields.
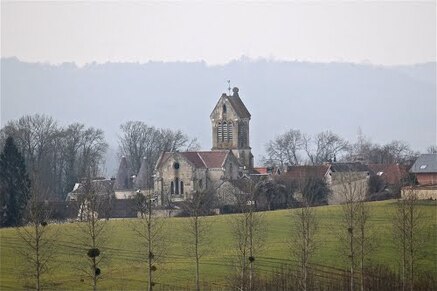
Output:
x=124 y=269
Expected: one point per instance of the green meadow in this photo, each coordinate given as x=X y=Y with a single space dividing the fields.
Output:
x=124 y=267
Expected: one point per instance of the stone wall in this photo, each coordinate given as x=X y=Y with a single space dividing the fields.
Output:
x=347 y=186
x=423 y=193
x=193 y=179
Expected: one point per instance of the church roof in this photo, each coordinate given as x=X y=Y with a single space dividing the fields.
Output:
x=200 y=159
x=214 y=159
x=238 y=105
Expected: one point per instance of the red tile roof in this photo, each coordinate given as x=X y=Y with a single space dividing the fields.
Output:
x=213 y=159
x=194 y=158
x=261 y=170
x=207 y=159
x=390 y=173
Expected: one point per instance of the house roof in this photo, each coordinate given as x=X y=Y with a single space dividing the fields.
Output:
x=262 y=170
x=98 y=186
x=199 y=159
x=141 y=179
x=426 y=163
x=101 y=187
x=349 y=167
x=302 y=172
x=266 y=171
x=123 y=175
x=390 y=173
x=244 y=184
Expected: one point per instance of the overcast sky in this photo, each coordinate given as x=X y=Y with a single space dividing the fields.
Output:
x=377 y=32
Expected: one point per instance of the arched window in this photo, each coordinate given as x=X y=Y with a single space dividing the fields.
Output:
x=172 y=187
x=225 y=131
x=182 y=187
x=230 y=133
x=176 y=184
x=219 y=132
x=224 y=109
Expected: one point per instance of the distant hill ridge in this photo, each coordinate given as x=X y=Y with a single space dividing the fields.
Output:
x=397 y=102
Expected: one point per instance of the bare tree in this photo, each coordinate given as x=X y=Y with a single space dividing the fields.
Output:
x=395 y=152
x=354 y=234
x=284 y=149
x=323 y=147
x=432 y=149
x=93 y=232
x=38 y=237
x=249 y=233
x=138 y=141
x=408 y=228
x=62 y=156
x=198 y=228
x=303 y=243
x=365 y=240
x=150 y=230
x=34 y=135
x=173 y=140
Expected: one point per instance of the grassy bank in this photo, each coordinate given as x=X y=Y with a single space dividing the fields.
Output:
x=124 y=268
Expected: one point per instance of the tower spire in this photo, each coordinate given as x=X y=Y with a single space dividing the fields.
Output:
x=229 y=87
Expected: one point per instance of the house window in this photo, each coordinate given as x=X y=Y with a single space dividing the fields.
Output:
x=172 y=187
x=224 y=108
x=176 y=166
x=225 y=131
x=219 y=132
x=182 y=187
x=230 y=134
x=176 y=186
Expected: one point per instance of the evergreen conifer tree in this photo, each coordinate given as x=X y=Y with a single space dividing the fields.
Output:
x=14 y=185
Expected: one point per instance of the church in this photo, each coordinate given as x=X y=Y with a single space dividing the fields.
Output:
x=179 y=174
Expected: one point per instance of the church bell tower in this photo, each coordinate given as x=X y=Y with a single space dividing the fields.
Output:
x=230 y=127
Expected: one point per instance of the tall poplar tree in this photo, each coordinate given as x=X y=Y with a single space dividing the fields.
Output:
x=14 y=185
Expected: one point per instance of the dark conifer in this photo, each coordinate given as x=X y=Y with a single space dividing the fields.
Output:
x=14 y=185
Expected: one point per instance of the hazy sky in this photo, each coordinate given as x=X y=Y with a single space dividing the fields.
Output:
x=379 y=32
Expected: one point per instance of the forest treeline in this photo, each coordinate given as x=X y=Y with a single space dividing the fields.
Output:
x=62 y=155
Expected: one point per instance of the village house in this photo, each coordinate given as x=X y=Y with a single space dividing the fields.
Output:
x=425 y=169
x=392 y=177
x=337 y=176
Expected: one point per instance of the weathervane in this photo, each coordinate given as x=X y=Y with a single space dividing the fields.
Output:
x=229 y=87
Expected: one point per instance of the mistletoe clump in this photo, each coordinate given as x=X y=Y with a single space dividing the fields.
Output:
x=94 y=252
